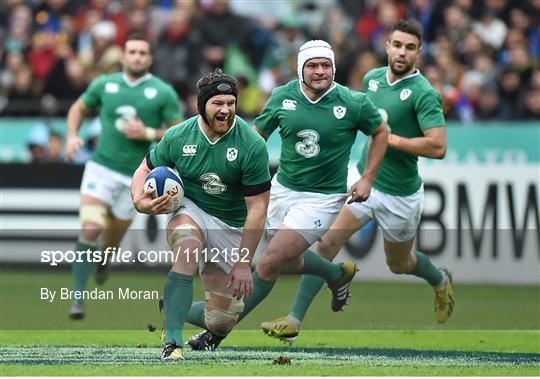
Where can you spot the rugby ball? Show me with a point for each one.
(166, 180)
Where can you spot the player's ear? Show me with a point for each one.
(387, 45)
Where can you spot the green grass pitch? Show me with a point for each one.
(387, 330)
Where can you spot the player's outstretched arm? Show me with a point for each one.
(361, 190)
(75, 115)
(240, 279)
(431, 145)
(143, 201)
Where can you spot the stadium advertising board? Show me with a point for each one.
(481, 216)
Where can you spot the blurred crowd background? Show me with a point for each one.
(483, 56)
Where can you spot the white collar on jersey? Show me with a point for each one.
(138, 81)
(199, 120)
(319, 99)
(416, 72)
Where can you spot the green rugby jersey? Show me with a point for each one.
(149, 98)
(411, 105)
(316, 136)
(214, 173)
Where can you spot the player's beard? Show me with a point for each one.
(219, 127)
(137, 73)
(400, 72)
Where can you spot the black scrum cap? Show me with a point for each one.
(215, 83)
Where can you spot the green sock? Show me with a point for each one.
(425, 270)
(261, 289)
(309, 288)
(195, 315)
(316, 265)
(80, 271)
(178, 295)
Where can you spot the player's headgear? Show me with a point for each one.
(215, 83)
(315, 49)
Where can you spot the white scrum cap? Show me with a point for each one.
(315, 49)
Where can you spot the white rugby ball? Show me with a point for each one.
(166, 180)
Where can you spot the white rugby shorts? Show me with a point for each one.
(222, 245)
(109, 186)
(397, 216)
(308, 213)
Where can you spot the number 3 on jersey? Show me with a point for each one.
(308, 147)
(127, 113)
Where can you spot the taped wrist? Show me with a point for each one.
(150, 134)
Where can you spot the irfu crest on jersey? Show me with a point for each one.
(232, 153)
(150, 93)
(373, 85)
(339, 112)
(404, 94)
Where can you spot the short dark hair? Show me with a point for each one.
(409, 26)
(136, 37)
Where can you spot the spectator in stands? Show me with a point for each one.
(14, 60)
(511, 97)
(491, 29)
(532, 104)
(484, 64)
(55, 39)
(470, 86)
(19, 30)
(84, 40)
(177, 57)
(138, 22)
(104, 56)
(112, 11)
(535, 78)
(422, 11)
(21, 98)
(42, 56)
(520, 61)
(487, 108)
(218, 28)
(65, 82)
(471, 47)
(451, 70)
(54, 149)
(37, 143)
(532, 97)
(279, 64)
(449, 93)
(456, 25)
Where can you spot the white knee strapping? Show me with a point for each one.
(93, 213)
(221, 311)
(184, 232)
